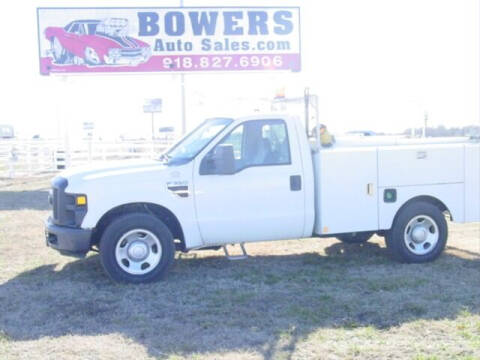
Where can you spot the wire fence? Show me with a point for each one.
(29, 158)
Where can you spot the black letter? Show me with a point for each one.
(206, 45)
(179, 23)
(159, 45)
(147, 23)
(286, 25)
(231, 23)
(257, 20)
(204, 23)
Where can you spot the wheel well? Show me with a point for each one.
(160, 212)
(429, 199)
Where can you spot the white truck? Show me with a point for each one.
(260, 178)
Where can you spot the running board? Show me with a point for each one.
(236, 257)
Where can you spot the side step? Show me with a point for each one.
(236, 257)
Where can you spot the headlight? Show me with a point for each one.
(114, 53)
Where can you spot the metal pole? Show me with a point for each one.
(425, 119)
(184, 118)
(182, 89)
(65, 120)
(153, 128)
(317, 120)
(307, 106)
(89, 149)
(153, 136)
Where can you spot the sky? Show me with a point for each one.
(374, 65)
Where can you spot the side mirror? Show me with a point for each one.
(219, 162)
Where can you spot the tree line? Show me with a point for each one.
(441, 131)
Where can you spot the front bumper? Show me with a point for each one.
(126, 60)
(68, 241)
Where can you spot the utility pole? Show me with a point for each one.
(425, 124)
(307, 108)
(182, 89)
(152, 106)
(153, 127)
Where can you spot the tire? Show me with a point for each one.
(419, 233)
(137, 248)
(60, 54)
(355, 237)
(91, 57)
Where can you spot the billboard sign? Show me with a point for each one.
(93, 40)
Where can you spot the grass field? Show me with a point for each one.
(298, 299)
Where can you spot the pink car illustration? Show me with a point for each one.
(96, 42)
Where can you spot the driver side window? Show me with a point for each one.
(257, 143)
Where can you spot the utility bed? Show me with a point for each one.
(357, 175)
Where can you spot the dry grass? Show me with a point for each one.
(298, 299)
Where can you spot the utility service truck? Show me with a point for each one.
(260, 178)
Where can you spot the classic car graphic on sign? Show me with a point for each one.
(96, 42)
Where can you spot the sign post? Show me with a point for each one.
(153, 106)
(182, 86)
(88, 127)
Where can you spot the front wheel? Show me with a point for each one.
(91, 56)
(60, 54)
(136, 248)
(419, 233)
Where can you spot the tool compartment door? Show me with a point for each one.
(421, 165)
(347, 190)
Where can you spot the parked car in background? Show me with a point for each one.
(362, 133)
(6, 132)
(96, 42)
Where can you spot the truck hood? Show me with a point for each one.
(113, 184)
(112, 169)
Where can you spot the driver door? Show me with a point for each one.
(263, 199)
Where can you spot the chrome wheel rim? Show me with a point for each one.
(421, 235)
(138, 252)
(91, 56)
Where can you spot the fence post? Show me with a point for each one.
(28, 149)
(103, 152)
(90, 151)
(12, 158)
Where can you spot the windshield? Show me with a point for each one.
(193, 143)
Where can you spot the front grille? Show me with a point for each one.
(65, 213)
(59, 201)
(54, 203)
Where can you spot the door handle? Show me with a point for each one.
(370, 189)
(295, 182)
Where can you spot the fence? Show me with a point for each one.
(28, 158)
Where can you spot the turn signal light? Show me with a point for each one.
(81, 200)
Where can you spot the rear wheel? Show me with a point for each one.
(419, 233)
(355, 237)
(137, 248)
